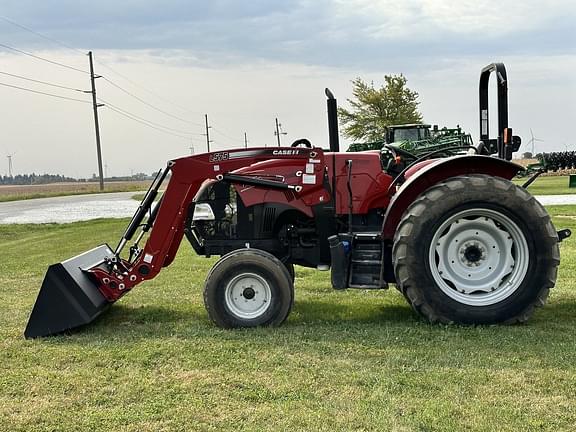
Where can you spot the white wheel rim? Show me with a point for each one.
(479, 257)
(248, 295)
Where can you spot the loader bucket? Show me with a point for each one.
(68, 298)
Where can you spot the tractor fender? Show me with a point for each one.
(431, 172)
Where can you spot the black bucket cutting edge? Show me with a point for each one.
(68, 297)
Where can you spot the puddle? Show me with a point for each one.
(556, 199)
(68, 213)
(68, 209)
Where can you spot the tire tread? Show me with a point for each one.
(405, 265)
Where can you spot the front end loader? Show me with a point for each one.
(454, 234)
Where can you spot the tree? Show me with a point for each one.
(375, 108)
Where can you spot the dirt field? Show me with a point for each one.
(10, 193)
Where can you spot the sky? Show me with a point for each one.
(246, 63)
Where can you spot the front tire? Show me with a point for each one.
(476, 250)
(248, 288)
(291, 271)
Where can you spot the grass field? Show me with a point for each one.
(18, 192)
(352, 360)
(553, 185)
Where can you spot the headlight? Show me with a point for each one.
(203, 211)
(230, 210)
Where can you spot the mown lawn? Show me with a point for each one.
(352, 360)
(553, 185)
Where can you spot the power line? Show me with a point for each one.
(56, 41)
(43, 59)
(147, 124)
(179, 131)
(146, 89)
(40, 34)
(225, 135)
(148, 104)
(43, 93)
(43, 82)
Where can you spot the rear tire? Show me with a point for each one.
(476, 250)
(248, 288)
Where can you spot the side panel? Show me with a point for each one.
(436, 172)
(368, 182)
(310, 175)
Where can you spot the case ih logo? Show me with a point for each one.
(285, 152)
(219, 157)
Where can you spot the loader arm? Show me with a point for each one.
(76, 291)
(116, 276)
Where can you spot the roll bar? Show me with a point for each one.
(505, 144)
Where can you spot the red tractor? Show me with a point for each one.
(460, 241)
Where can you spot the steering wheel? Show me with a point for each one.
(301, 141)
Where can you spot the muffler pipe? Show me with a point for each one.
(332, 105)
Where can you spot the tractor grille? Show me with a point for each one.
(269, 218)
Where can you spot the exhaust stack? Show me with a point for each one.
(332, 121)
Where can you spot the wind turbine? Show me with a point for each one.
(10, 163)
(533, 140)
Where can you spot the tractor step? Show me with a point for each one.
(367, 287)
(366, 262)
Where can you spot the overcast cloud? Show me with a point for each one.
(245, 62)
(340, 33)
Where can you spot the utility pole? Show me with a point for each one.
(207, 133)
(278, 131)
(95, 106)
(245, 140)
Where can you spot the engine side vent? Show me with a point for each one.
(289, 194)
(269, 218)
